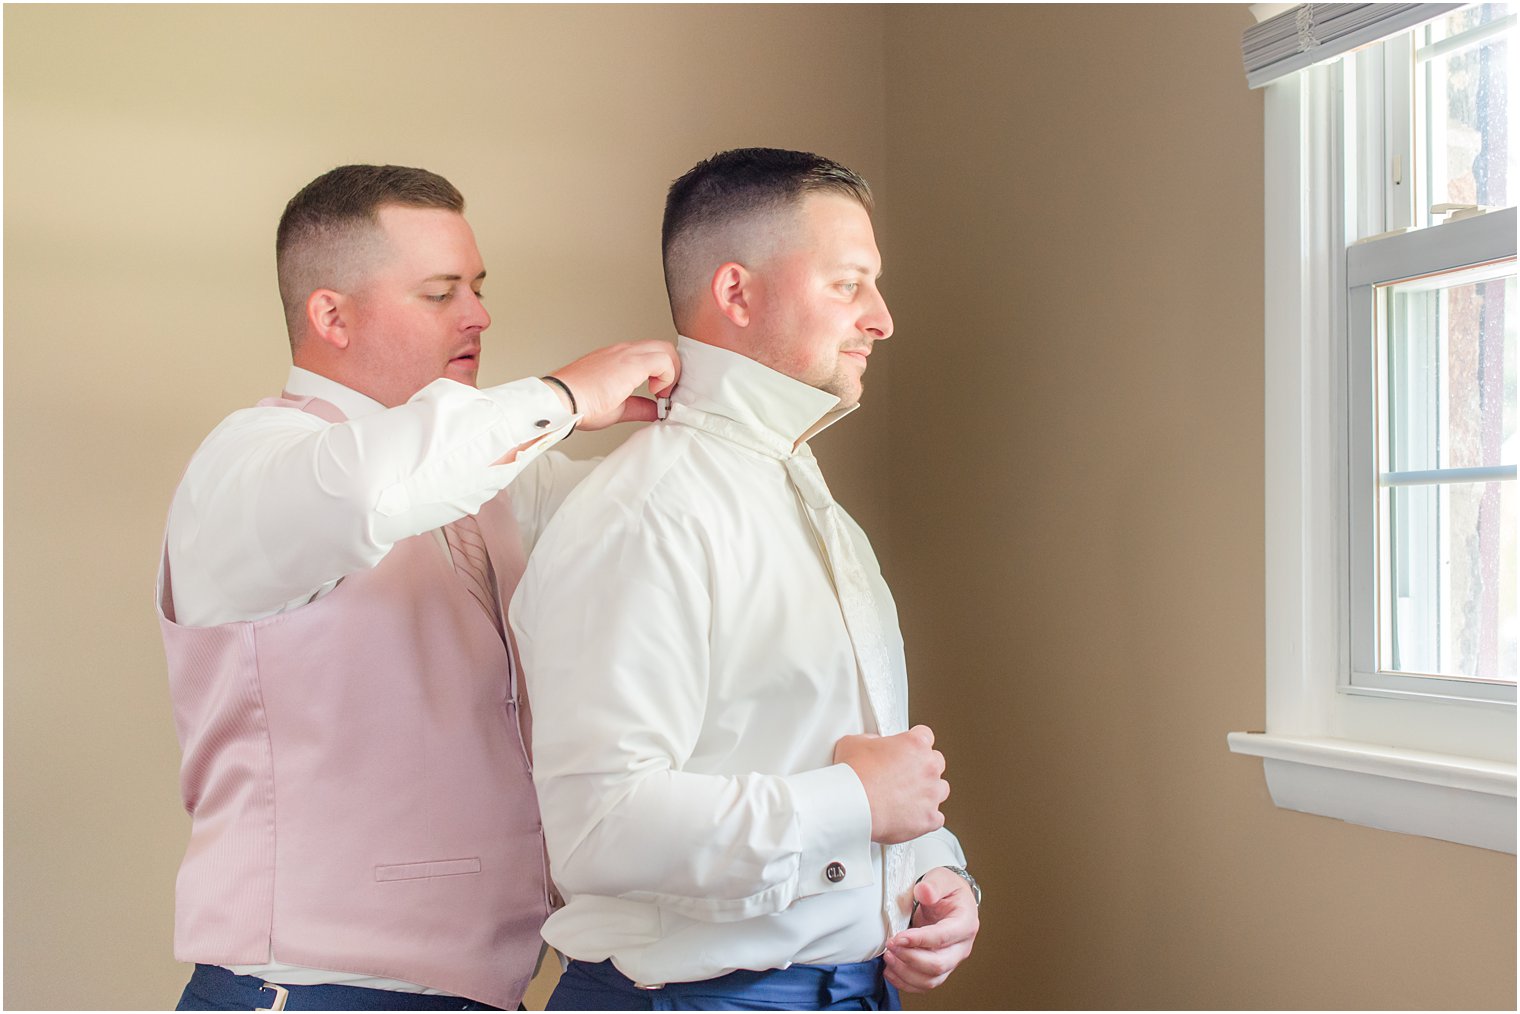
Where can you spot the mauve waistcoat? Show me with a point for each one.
(357, 779)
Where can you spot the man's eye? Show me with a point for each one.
(479, 294)
(439, 298)
(849, 287)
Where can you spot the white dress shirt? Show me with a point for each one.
(277, 505)
(690, 672)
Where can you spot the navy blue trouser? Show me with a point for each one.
(600, 986)
(213, 987)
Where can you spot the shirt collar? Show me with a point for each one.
(736, 387)
(305, 384)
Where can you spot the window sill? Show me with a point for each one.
(1457, 799)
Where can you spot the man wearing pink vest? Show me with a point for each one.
(364, 833)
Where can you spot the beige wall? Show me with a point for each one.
(1065, 490)
(149, 152)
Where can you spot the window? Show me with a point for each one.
(1391, 448)
(1433, 464)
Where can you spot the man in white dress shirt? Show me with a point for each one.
(738, 816)
(364, 833)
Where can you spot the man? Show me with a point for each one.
(364, 833)
(737, 814)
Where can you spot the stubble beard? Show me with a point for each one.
(844, 385)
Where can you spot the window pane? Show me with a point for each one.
(1446, 542)
(1449, 601)
(1449, 362)
(1468, 109)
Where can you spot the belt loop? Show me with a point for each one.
(280, 995)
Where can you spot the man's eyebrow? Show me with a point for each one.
(860, 269)
(451, 278)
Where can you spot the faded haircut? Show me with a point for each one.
(724, 201)
(327, 234)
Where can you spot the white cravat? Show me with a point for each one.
(861, 618)
(856, 603)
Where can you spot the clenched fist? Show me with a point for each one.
(902, 779)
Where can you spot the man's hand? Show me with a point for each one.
(923, 956)
(901, 776)
(604, 381)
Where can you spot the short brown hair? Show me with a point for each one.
(322, 231)
(731, 186)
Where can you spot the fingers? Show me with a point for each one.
(901, 776)
(891, 976)
(659, 364)
(663, 380)
(603, 381)
(921, 958)
(933, 937)
(949, 922)
(917, 971)
(638, 409)
(926, 893)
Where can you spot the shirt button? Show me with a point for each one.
(542, 424)
(835, 872)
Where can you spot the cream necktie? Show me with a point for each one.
(863, 622)
(856, 602)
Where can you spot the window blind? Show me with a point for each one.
(1310, 33)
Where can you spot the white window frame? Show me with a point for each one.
(1428, 766)
(1488, 240)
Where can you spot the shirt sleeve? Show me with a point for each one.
(277, 504)
(937, 848)
(612, 622)
(540, 490)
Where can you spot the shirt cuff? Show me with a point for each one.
(537, 405)
(936, 849)
(836, 831)
(524, 412)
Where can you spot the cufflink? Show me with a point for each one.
(834, 872)
(661, 408)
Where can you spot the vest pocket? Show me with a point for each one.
(421, 871)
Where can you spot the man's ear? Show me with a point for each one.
(326, 312)
(732, 291)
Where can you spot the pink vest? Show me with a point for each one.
(357, 779)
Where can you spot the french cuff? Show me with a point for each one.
(530, 417)
(835, 817)
(536, 413)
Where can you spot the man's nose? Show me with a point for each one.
(476, 315)
(878, 322)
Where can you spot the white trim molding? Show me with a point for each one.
(1457, 799)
